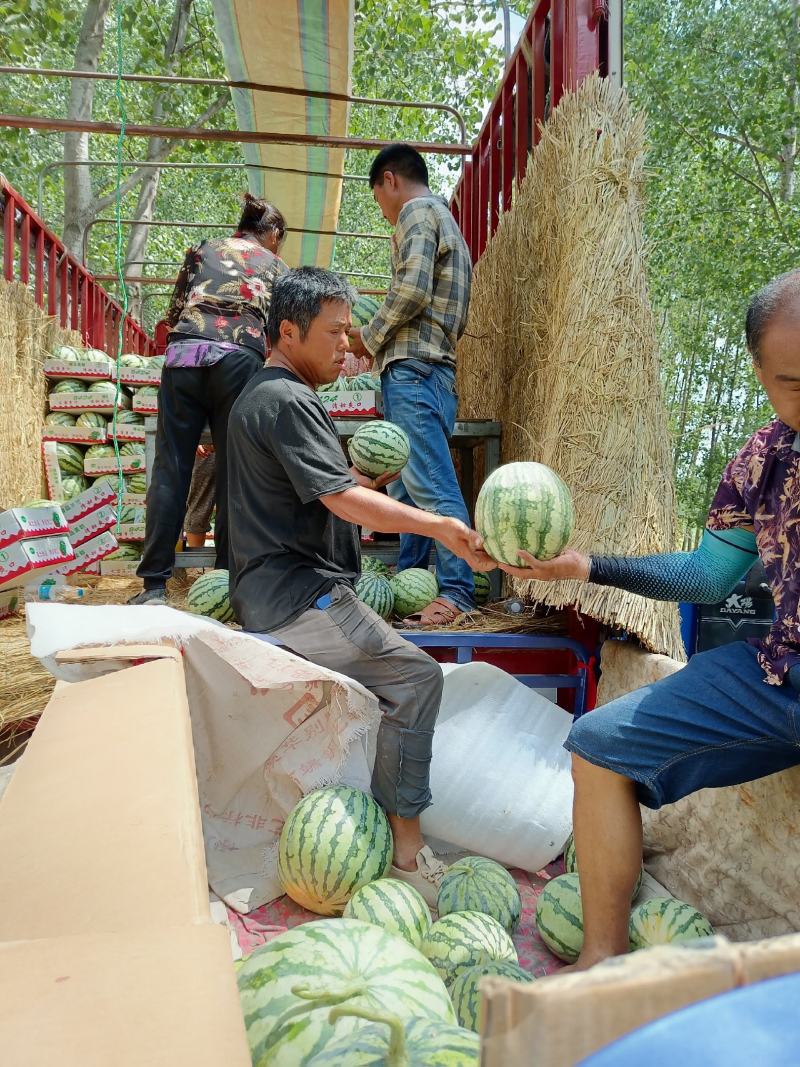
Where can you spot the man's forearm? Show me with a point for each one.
(365, 507)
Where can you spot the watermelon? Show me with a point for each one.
(559, 917)
(125, 550)
(375, 591)
(571, 863)
(104, 387)
(464, 939)
(364, 309)
(132, 448)
(100, 452)
(664, 921)
(154, 362)
(524, 506)
(395, 906)
(210, 596)
(415, 1043)
(128, 514)
(130, 418)
(91, 419)
(413, 590)
(67, 354)
(59, 418)
(483, 589)
(379, 448)
(147, 390)
(96, 355)
(73, 485)
(113, 481)
(137, 483)
(132, 360)
(333, 842)
(70, 458)
(478, 884)
(373, 565)
(466, 994)
(288, 987)
(68, 385)
(360, 381)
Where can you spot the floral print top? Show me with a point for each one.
(222, 292)
(761, 489)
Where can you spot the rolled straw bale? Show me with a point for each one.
(561, 346)
(27, 334)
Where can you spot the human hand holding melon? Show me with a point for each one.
(373, 483)
(569, 564)
(465, 543)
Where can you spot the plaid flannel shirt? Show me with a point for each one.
(425, 310)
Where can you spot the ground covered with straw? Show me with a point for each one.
(561, 347)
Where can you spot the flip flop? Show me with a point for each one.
(440, 612)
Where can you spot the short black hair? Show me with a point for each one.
(400, 159)
(766, 304)
(298, 296)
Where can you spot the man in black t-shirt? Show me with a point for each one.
(295, 555)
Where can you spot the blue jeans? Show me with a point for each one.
(714, 723)
(421, 398)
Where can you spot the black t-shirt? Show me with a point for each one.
(286, 548)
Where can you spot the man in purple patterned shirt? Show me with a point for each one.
(732, 714)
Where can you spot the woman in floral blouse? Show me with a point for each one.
(217, 342)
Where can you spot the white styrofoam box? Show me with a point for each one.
(355, 403)
(39, 554)
(75, 435)
(19, 523)
(94, 466)
(74, 403)
(88, 555)
(96, 496)
(92, 525)
(61, 368)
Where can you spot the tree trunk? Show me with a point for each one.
(788, 153)
(78, 200)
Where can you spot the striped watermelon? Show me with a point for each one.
(125, 550)
(571, 863)
(128, 514)
(68, 385)
(379, 448)
(100, 452)
(130, 418)
(103, 387)
(364, 309)
(132, 448)
(113, 481)
(475, 883)
(664, 921)
(91, 419)
(373, 565)
(73, 485)
(147, 390)
(559, 917)
(395, 906)
(333, 842)
(70, 458)
(483, 589)
(413, 590)
(466, 995)
(360, 381)
(132, 360)
(464, 939)
(524, 506)
(137, 482)
(67, 354)
(96, 355)
(210, 596)
(288, 987)
(59, 418)
(375, 591)
(416, 1043)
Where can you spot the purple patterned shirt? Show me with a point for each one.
(761, 489)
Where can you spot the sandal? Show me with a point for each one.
(440, 612)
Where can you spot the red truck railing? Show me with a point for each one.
(563, 41)
(61, 286)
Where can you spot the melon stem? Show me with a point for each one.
(321, 998)
(397, 1055)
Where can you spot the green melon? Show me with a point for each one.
(68, 385)
(130, 418)
(464, 939)
(91, 420)
(375, 591)
(379, 448)
(333, 842)
(395, 906)
(113, 481)
(73, 485)
(666, 921)
(147, 390)
(413, 590)
(137, 483)
(100, 452)
(104, 387)
(125, 550)
(373, 565)
(288, 987)
(559, 917)
(155, 362)
(67, 354)
(131, 515)
(475, 883)
(571, 863)
(70, 458)
(132, 448)
(132, 360)
(364, 310)
(466, 995)
(483, 589)
(59, 418)
(416, 1043)
(96, 355)
(524, 506)
(210, 596)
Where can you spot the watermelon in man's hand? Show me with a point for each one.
(524, 506)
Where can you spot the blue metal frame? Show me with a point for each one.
(466, 643)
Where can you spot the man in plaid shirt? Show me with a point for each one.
(412, 339)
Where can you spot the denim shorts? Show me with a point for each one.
(714, 723)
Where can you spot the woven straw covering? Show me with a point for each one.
(561, 347)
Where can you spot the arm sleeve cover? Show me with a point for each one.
(705, 576)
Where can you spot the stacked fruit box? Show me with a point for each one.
(95, 431)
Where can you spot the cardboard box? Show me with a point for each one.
(92, 525)
(119, 568)
(130, 531)
(94, 466)
(75, 435)
(75, 403)
(16, 524)
(139, 377)
(134, 500)
(10, 601)
(89, 553)
(96, 496)
(145, 405)
(62, 368)
(52, 471)
(356, 403)
(127, 432)
(36, 556)
(122, 964)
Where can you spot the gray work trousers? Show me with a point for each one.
(350, 638)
